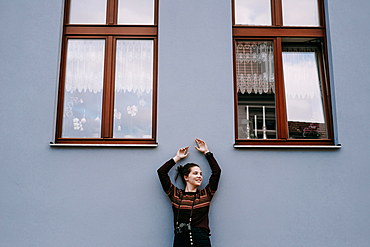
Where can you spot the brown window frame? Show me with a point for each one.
(110, 32)
(276, 32)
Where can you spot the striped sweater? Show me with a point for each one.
(202, 197)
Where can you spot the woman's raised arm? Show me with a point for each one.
(166, 167)
(215, 168)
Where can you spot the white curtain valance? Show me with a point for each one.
(134, 65)
(302, 85)
(85, 65)
(255, 67)
(301, 73)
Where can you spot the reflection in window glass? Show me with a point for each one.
(300, 13)
(305, 109)
(88, 12)
(133, 89)
(256, 90)
(136, 12)
(83, 88)
(253, 12)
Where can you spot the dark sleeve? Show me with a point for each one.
(216, 172)
(163, 175)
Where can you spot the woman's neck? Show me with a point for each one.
(190, 188)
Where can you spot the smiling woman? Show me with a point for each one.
(191, 205)
(193, 179)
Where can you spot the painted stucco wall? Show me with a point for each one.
(112, 196)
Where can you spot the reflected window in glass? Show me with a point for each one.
(136, 12)
(87, 12)
(303, 93)
(253, 12)
(300, 13)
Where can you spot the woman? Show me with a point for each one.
(190, 206)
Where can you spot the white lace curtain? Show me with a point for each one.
(255, 67)
(134, 65)
(85, 65)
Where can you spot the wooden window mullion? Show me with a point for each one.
(233, 12)
(235, 91)
(107, 113)
(277, 13)
(282, 121)
(324, 80)
(110, 12)
(66, 11)
(154, 100)
(61, 90)
(321, 12)
(156, 10)
(114, 11)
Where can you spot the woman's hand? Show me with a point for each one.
(202, 146)
(181, 153)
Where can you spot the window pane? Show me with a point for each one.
(300, 13)
(83, 88)
(256, 90)
(133, 89)
(88, 12)
(303, 92)
(253, 12)
(139, 12)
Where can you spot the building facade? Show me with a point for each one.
(286, 180)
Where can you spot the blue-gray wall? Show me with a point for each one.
(112, 197)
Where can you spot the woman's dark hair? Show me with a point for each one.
(184, 171)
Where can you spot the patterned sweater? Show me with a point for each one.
(202, 197)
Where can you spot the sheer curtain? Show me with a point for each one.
(134, 65)
(85, 65)
(302, 85)
(301, 73)
(83, 88)
(133, 89)
(255, 67)
(84, 81)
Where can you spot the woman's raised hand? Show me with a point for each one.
(181, 153)
(202, 146)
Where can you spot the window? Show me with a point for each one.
(107, 89)
(282, 94)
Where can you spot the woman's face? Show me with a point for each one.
(195, 177)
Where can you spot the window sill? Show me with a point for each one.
(288, 146)
(102, 145)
